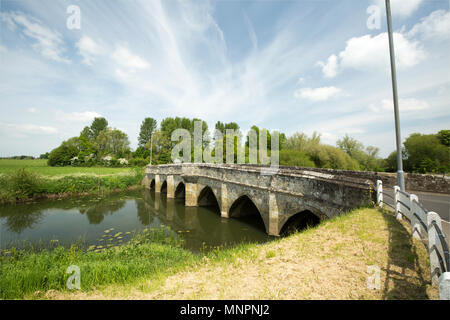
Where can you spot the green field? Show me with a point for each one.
(22, 180)
(40, 166)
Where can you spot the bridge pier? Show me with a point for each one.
(273, 215)
(191, 195)
(157, 183)
(170, 187)
(225, 206)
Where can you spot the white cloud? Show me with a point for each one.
(404, 105)
(26, 129)
(48, 42)
(372, 53)
(88, 49)
(251, 32)
(77, 116)
(436, 26)
(329, 68)
(402, 8)
(317, 94)
(128, 60)
(129, 64)
(3, 49)
(32, 110)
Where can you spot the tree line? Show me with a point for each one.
(99, 144)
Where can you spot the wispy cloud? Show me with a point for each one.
(405, 105)
(436, 26)
(128, 60)
(89, 49)
(317, 94)
(27, 129)
(85, 116)
(402, 8)
(47, 42)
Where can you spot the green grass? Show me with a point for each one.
(29, 274)
(40, 166)
(24, 184)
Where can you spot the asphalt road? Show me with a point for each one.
(437, 202)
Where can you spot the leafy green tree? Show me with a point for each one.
(236, 137)
(390, 163)
(352, 147)
(87, 132)
(44, 155)
(112, 141)
(98, 125)
(87, 149)
(426, 153)
(366, 157)
(160, 148)
(148, 126)
(62, 155)
(444, 137)
(142, 152)
(168, 125)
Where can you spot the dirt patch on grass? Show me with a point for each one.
(327, 262)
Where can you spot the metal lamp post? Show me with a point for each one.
(400, 177)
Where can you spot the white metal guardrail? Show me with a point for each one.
(426, 226)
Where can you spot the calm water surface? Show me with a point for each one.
(68, 220)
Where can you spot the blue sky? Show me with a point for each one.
(286, 65)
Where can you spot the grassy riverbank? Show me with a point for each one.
(25, 184)
(327, 262)
(40, 167)
(33, 274)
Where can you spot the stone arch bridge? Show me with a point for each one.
(239, 190)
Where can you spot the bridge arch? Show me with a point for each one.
(180, 190)
(208, 198)
(245, 207)
(299, 221)
(164, 187)
(152, 185)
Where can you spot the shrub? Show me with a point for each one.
(24, 184)
(295, 158)
(62, 156)
(139, 162)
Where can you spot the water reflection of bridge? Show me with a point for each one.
(201, 224)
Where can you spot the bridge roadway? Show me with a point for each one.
(288, 194)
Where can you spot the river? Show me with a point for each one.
(92, 220)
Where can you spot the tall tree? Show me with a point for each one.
(426, 153)
(444, 137)
(148, 126)
(351, 146)
(112, 141)
(98, 124)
